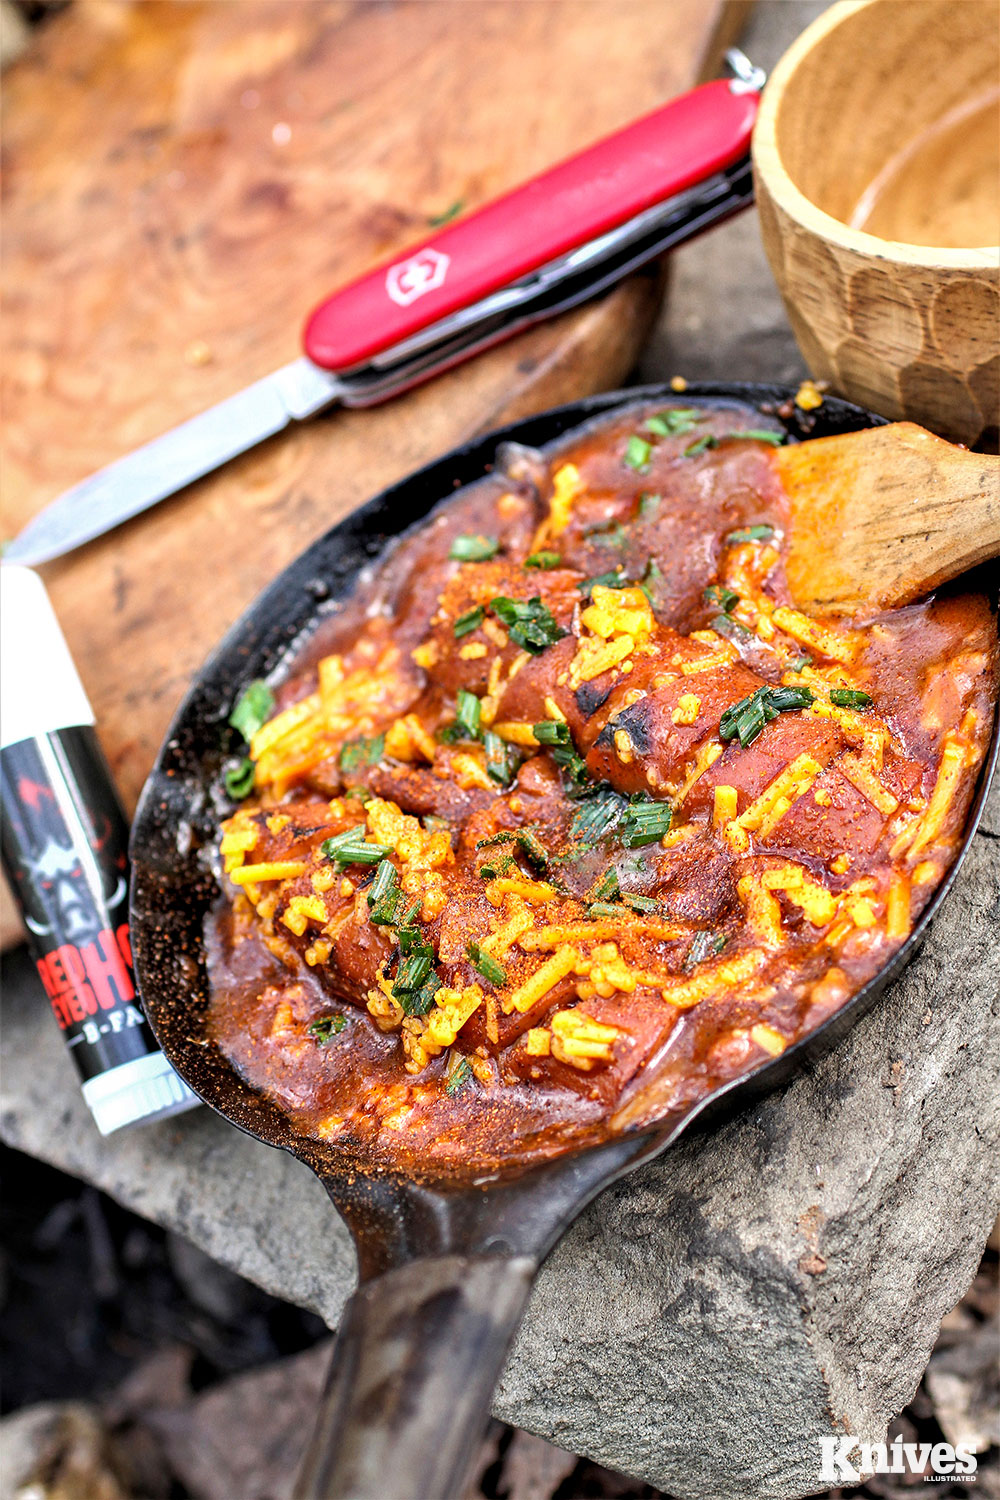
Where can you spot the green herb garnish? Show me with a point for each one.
(413, 971)
(546, 560)
(362, 752)
(529, 622)
(607, 888)
(746, 719)
(603, 909)
(651, 579)
(750, 534)
(474, 548)
(721, 597)
(239, 779)
(467, 714)
(505, 836)
(674, 422)
(253, 708)
(471, 620)
(552, 732)
(458, 1076)
(704, 945)
(850, 698)
(532, 848)
(750, 434)
(613, 580)
(419, 1002)
(485, 965)
(327, 1027)
(383, 895)
(640, 903)
(350, 848)
(597, 815)
(733, 630)
(555, 736)
(501, 759)
(645, 822)
(637, 454)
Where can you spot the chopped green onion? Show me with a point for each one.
(598, 814)
(703, 443)
(756, 435)
(640, 903)
(458, 1076)
(850, 698)
(412, 940)
(750, 534)
(501, 759)
(362, 752)
(350, 848)
(607, 888)
(497, 866)
(651, 579)
(467, 713)
(798, 662)
(485, 965)
(555, 735)
(674, 422)
(362, 794)
(546, 560)
(746, 719)
(552, 732)
(637, 454)
(471, 620)
(253, 708)
(733, 630)
(533, 849)
(603, 909)
(418, 1002)
(474, 548)
(649, 504)
(239, 779)
(530, 622)
(614, 580)
(326, 1028)
(704, 945)
(412, 973)
(435, 824)
(383, 895)
(645, 822)
(505, 836)
(721, 597)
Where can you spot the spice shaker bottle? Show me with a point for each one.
(64, 847)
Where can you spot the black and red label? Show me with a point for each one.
(65, 843)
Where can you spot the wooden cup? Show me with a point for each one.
(877, 175)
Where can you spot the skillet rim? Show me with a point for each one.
(258, 644)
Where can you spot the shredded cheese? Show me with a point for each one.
(562, 962)
(277, 869)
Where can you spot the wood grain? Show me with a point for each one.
(883, 516)
(882, 117)
(184, 181)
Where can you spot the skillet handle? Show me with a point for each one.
(419, 1352)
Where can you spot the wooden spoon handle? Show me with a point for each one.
(883, 516)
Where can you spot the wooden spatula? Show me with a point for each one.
(882, 516)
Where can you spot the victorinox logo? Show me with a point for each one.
(421, 273)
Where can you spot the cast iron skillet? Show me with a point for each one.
(445, 1271)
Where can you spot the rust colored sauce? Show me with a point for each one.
(525, 957)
